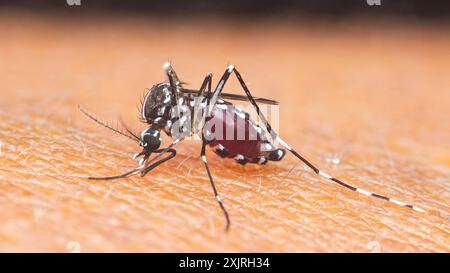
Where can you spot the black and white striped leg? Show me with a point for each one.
(216, 194)
(241, 159)
(221, 151)
(348, 186)
(173, 78)
(198, 100)
(175, 83)
(215, 96)
(275, 136)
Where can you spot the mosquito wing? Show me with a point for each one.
(230, 96)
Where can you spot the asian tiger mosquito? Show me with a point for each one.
(164, 105)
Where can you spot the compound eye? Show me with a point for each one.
(151, 139)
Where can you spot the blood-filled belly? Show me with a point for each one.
(232, 129)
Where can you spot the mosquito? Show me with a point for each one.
(172, 108)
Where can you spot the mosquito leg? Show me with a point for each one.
(275, 136)
(206, 84)
(147, 164)
(216, 194)
(173, 77)
(203, 153)
(156, 164)
(115, 176)
(149, 168)
(174, 84)
(161, 152)
(215, 96)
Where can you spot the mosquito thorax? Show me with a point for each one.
(150, 139)
(157, 105)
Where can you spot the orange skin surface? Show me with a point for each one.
(375, 97)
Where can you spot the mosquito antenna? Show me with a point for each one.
(127, 129)
(87, 114)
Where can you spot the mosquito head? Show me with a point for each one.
(157, 105)
(150, 140)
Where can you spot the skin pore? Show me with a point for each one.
(353, 100)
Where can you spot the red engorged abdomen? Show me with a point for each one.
(234, 132)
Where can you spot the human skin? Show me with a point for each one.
(374, 97)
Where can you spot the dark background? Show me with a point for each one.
(416, 9)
